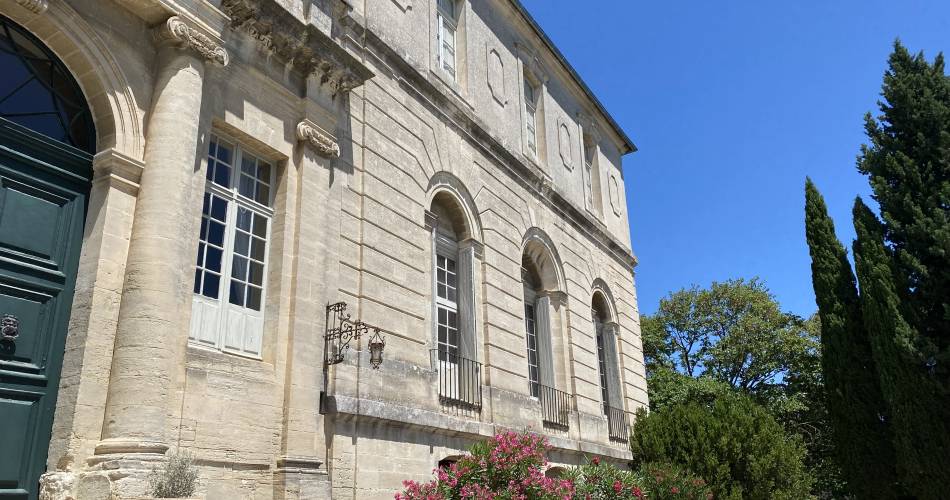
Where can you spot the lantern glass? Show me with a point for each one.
(376, 344)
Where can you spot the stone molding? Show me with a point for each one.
(121, 171)
(323, 143)
(34, 6)
(176, 31)
(303, 46)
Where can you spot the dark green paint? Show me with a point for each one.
(43, 189)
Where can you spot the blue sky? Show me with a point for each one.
(732, 104)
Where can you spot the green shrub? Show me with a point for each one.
(734, 444)
(177, 479)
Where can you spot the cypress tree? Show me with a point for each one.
(908, 165)
(864, 446)
(916, 409)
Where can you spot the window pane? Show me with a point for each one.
(246, 186)
(263, 194)
(216, 233)
(256, 275)
(237, 293)
(241, 243)
(257, 249)
(213, 259)
(201, 254)
(219, 209)
(260, 226)
(254, 298)
(244, 219)
(211, 284)
(442, 316)
(197, 280)
(222, 175)
(239, 268)
(249, 165)
(224, 152)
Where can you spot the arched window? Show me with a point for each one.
(453, 307)
(536, 324)
(38, 92)
(607, 359)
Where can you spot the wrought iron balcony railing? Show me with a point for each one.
(555, 406)
(618, 426)
(459, 379)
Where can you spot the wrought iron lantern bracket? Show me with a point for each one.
(341, 329)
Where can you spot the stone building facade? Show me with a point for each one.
(215, 173)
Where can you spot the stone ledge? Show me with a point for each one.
(349, 407)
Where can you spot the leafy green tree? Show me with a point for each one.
(855, 404)
(734, 444)
(920, 421)
(733, 332)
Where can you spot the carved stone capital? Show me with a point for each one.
(176, 31)
(34, 6)
(322, 143)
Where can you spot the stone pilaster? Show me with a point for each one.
(149, 335)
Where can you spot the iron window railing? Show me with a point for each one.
(618, 426)
(459, 379)
(555, 406)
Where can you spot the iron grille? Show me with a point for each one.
(459, 379)
(555, 406)
(617, 424)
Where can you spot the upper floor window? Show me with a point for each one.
(531, 116)
(447, 19)
(592, 199)
(232, 250)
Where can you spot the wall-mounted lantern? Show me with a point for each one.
(340, 330)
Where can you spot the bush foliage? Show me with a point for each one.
(734, 444)
(177, 479)
(512, 466)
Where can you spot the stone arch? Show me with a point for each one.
(538, 247)
(602, 301)
(450, 193)
(112, 104)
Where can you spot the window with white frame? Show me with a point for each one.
(531, 116)
(601, 359)
(236, 215)
(447, 19)
(446, 283)
(531, 334)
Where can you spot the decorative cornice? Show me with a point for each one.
(303, 46)
(176, 31)
(34, 6)
(322, 142)
(119, 170)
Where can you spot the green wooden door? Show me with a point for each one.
(43, 189)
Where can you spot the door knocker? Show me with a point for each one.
(9, 327)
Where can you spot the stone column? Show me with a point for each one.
(301, 467)
(149, 325)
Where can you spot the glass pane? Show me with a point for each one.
(219, 209)
(236, 296)
(442, 316)
(453, 319)
(215, 234)
(263, 194)
(239, 268)
(263, 172)
(451, 266)
(257, 249)
(213, 259)
(256, 275)
(222, 175)
(260, 226)
(249, 165)
(452, 295)
(224, 152)
(201, 254)
(203, 233)
(197, 280)
(441, 291)
(443, 334)
(211, 284)
(246, 186)
(244, 219)
(254, 298)
(241, 243)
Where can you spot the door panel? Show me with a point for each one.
(43, 189)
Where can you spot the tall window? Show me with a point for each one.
(447, 302)
(447, 18)
(591, 177)
(531, 333)
(531, 116)
(232, 250)
(601, 359)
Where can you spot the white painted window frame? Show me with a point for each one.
(217, 314)
(446, 28)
